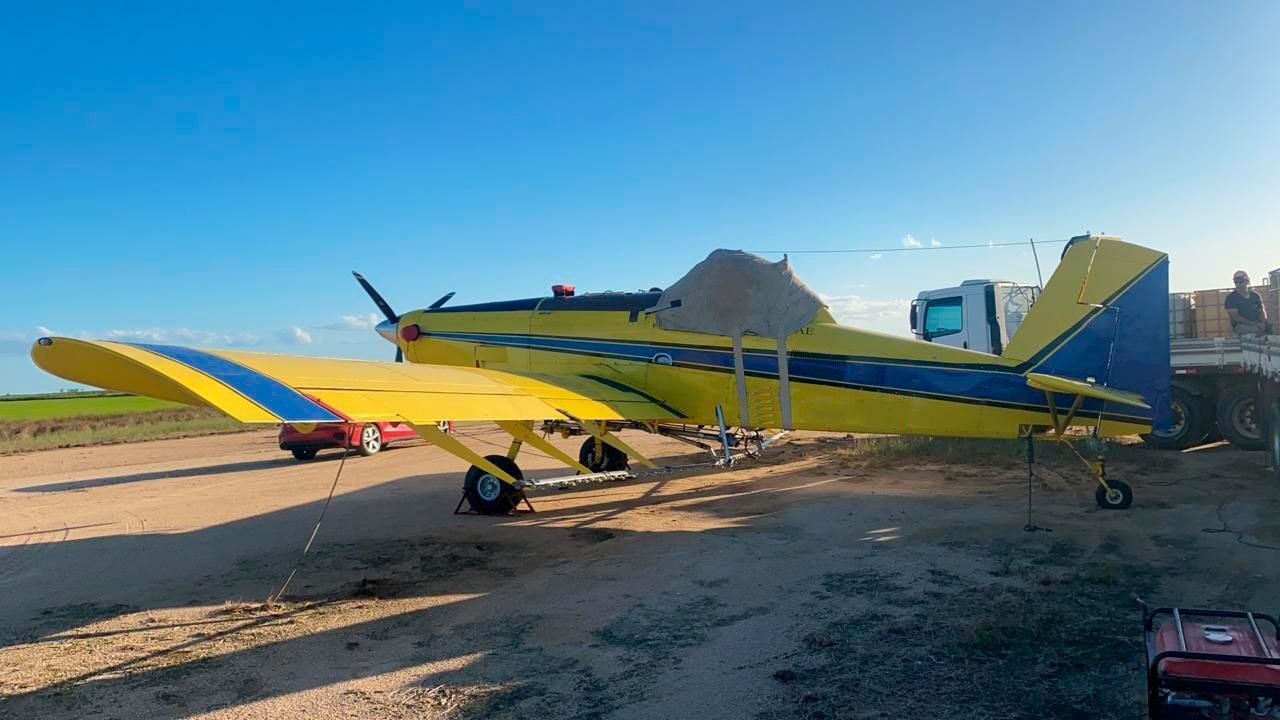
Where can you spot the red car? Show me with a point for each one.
(305, 440)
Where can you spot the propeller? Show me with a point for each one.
(393, 319)
(440, 303)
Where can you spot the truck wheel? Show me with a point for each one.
(1187, 426)
(489, 494)
(1273, 437)
(1238, 418)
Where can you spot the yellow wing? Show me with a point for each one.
(265, 388)
(1053, 383)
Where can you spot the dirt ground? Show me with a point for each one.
(822, 582)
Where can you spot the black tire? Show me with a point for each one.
(370, 441)
(1273, 437)
(1238, 419)
(1120, 498)
(489, 495)
(614, 459)
(304, 454)
(1188, 424)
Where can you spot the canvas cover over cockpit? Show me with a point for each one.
(735, 293)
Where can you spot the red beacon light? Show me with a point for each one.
(562, 290)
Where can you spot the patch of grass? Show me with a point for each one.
(67, 405)
(81, 430)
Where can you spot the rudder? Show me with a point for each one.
(1103, 317)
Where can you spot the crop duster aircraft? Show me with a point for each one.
(737, 346)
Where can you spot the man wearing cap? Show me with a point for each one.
(1248, 316)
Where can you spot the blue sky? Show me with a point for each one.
(211, 174)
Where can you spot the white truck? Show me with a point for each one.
(1261, 357)
(1212, 396)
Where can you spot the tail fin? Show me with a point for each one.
(1103, 316)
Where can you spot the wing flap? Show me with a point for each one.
(1053, 383)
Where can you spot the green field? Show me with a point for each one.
(39, 422)
(66, 405)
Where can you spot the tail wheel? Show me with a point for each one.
(370, 440)
(1187, 424)
(1273, 437)
(1119, 497)
(489, 494)
(610, 459)
(1238, 418)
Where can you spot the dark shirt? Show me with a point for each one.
(1250, 308)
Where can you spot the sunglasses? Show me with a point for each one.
(1240, 281)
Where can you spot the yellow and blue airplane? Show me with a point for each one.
(1092, 353)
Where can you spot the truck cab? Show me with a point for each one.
(977, 315)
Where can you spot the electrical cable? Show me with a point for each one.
(901, 249)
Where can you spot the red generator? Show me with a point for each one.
(1211, 664)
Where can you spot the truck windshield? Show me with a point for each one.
(943, 317)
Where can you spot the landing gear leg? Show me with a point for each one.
(1111, 494)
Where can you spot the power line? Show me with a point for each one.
(904, 249)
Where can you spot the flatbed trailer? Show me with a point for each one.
(1260, 357)
(1212, 395)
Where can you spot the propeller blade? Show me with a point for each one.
(440, 303)
(392, 317)
(399, 355)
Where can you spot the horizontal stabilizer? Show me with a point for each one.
(1053, 383)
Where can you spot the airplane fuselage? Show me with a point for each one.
(840, 378)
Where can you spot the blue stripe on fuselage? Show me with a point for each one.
(272, 395)
(999, 388)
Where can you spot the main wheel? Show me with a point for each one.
(304, 454)
(1118, 498)
(611, 459)
(1273, 437)
(487, 493)
(1238, 417)
(1187, 425)
(370, 440)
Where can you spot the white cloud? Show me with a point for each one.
(353, 323)
(186, 336)
(934, 243)
(294, 336)
(876, 256)
(891, 316)
(14, 343)
(910, 242)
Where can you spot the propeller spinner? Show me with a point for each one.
(387, 328)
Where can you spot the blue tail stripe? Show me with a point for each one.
(963, 383)
(272, 395)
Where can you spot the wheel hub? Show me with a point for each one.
(1114, 496)
(489, 488)
(1243, 419)
(1177, 424)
